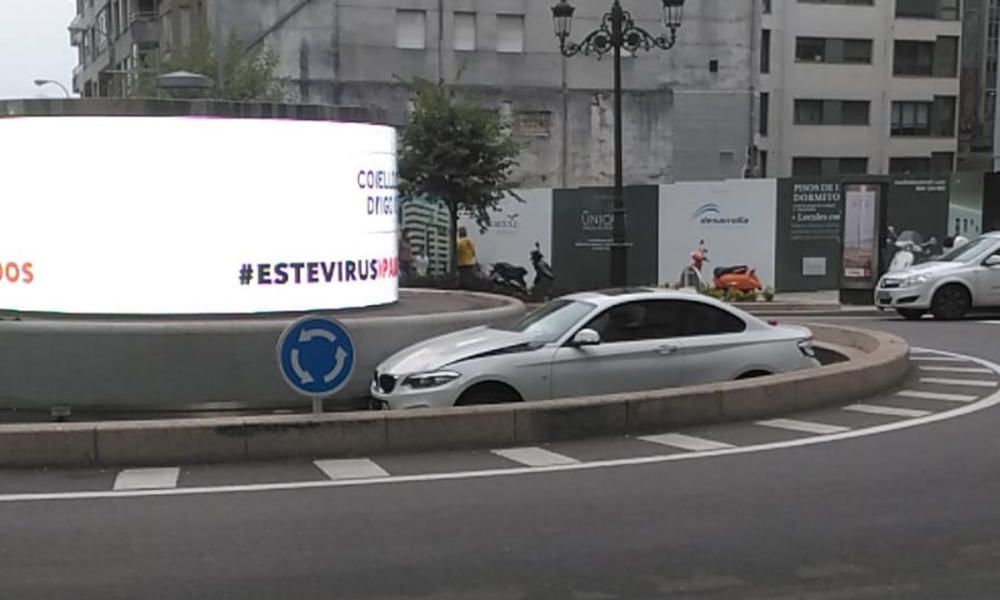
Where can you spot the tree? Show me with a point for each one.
(456, 151)
(247, 75)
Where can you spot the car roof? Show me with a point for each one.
(992, 234)
(619, 295)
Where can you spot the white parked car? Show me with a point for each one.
(963, 279)
(591, 344)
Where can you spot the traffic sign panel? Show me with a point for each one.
(316, 356)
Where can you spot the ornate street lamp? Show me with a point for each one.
(617, 32)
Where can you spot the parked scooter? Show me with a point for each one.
(544, 277)
(911, 249)
(510, 278)
(737, 277)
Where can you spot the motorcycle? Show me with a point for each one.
(509, 277)
(544, 277)
(910, 249)
(738, 277)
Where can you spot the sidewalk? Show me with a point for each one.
(821, 303)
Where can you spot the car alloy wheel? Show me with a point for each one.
(950, 303)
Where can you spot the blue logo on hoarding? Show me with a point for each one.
(711, 214)
(316, 356)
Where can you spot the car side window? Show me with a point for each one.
(636, 321)
(698, 318)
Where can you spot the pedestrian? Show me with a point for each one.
(405, 257)
(466, 254)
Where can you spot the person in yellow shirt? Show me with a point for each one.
(465, 252)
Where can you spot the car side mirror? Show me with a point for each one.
(586, 337)
(991, 261)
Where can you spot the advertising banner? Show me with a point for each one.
(209, 216)
(734, 218)
(965, 205)
(861, 217)
(515, 228)
(808, 241)
(582, 233)
(917, 211)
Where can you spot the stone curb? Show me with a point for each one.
(877, 361)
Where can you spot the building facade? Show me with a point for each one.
(859, 86)
(118, 40)
(689, 112)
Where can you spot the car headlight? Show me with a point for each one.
(806, 348)
(423, 381)
(915, 280)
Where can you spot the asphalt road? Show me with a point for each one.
(905, 514)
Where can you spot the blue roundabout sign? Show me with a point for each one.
(316, 356)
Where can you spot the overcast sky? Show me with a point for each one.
(34, 44)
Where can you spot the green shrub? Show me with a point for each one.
(768, 294)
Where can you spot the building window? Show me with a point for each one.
(808, 112)
(911, 118)
(831, 112)
(767, 7)
(411, 29)
(942, 162)
(935, 118)
(510, 33)
(928, 9)
(854, 2)
(762, 162)
(943, 116)
(814, 166)
(765, 107)
(833, 50)
(909, 164)
(927, 59)
(765, 51)
(853, 166)
(807, 166)
(465, 31)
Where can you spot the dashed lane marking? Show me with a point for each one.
(936, 396)
(959, 382)
(969, 407)
(956, 370)
(535, 457)
(889, 411)
(147, 479)
(804, 426)
(933, 358)
(685, 442)
(352, 468)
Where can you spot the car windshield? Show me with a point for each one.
(968, 251)
(552, 321)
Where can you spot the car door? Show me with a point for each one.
(636, 353)
(988, 281)
(713, 342)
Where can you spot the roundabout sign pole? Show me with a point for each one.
(316, 357)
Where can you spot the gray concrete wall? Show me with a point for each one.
(344, 51)
(170, 364)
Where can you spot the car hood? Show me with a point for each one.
(439, 352)
(928, 268)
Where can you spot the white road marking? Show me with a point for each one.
(685, 442)
(967, 409)
(989, 322)
(935, 396)
(805, 426)
(350, 468)
(959, 382)
(147, 479)
(956, 370)
(932, 358)
(889, 411)
(535, 457)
